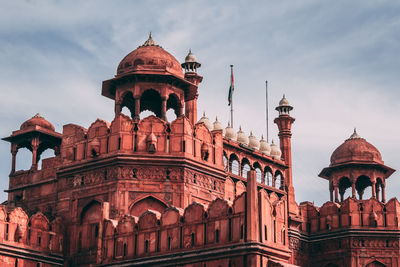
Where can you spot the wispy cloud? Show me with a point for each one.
(337, 63)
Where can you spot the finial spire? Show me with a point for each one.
(355, 134)
(150, 41)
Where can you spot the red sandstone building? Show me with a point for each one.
(152, 192)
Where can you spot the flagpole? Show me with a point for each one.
(232, 98)
(266, 107)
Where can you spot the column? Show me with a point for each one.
(136, 116)
(180, 110)
(373, 189)
(377, 191)
(336, 193)
(263, 177)
(383, 193)
(117, 109)
(35, 146)
(353, 190)
(331, 193)
(14, 151)
(164, 108)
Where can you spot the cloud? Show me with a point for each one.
(336, 62)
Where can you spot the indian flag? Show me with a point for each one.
(231, 88)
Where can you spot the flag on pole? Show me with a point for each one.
(231, 88)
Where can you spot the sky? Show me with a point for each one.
(337, 62)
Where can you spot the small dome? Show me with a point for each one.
(253, 141)
(190, 57)
(284, 101)
(242, 137)
(37, 120)
(217, 125)
(150, 57)
(265, 147)
(206, 122)
(356, 149)
(276, 152)
(230, 132)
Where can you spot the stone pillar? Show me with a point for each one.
(374, 189)
(136, 116)
(377, 189)
(164, 108)
(331, 193)
(383, 193)
(353, 190)
(336, 193)
(252, 207)
(35, 146)
(14, 151)
(180, 110)
(117, 109)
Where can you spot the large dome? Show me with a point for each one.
(37, 120)
(150, 57)
(356, 149)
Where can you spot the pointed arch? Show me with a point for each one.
(173, 103)
(375, 263)
(151, 100)
(149, 202)
(128, 101)
(268, 177)
(279, 181)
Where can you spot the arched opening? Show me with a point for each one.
(378, 188)
(23, 159)
(279, 182)
(361, 184)
(375, 263)
(234, 164)
(259, 173)
(47, 153)
(268, 176)
(90, 219)
(128, 104)
(150, 101)
(344, 184)
(245, 167)
(225, 159)
(173, 107)
(148, 203)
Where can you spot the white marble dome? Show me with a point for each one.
(230, 132)
(206, 122)
(253, 141)
(264, 146)
(242, 137)
(218, 126)
(275, 151)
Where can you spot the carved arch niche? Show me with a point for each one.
(147, 203)
(90, 219)
(375, 263)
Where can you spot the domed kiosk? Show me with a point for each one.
(356, 164)
(150, 78)
(36, 134)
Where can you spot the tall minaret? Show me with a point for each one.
(190, 66)
(284, 122)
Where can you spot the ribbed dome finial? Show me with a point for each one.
(355, 134)
(150, 41)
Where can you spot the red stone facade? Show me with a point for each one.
(149, 192)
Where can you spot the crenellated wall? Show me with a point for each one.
(348, 233)
(222, 227)
(36, 239)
